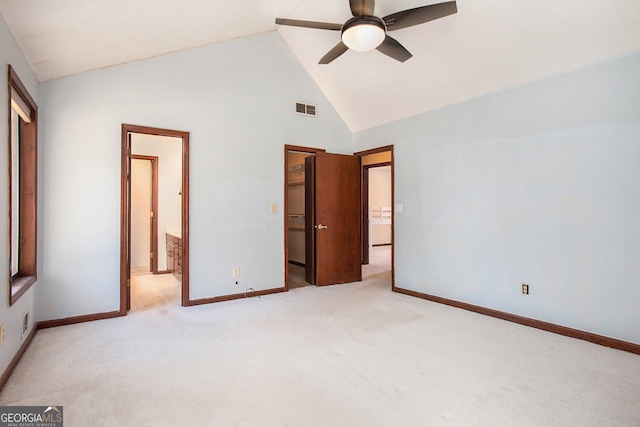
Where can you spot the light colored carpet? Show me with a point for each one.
(153, 292)
(345, 355)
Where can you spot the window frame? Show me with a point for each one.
(28, 191)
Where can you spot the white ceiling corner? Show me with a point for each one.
(487, 46)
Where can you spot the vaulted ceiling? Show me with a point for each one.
(487, 46)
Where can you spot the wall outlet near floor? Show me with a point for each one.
(236, 272)
(525, 289)
(3, 328)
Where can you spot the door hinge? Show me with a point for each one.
(151, 214)
(151, 254)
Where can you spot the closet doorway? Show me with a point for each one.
(294, 206)
(374, 244)
(154, 212)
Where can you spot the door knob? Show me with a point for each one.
(321, 227)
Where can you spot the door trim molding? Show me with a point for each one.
(287, 149)
(383, 149)
(125, 238)
(365, 209)
(153, 243)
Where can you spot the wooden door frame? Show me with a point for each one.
(287, 149)
(125, 213)
(365, 204)
(153, 230)
(365, 208)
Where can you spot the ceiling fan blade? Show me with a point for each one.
(338, 50)
(309, 24)
(419, 15)
(391, 47)
(362, 7)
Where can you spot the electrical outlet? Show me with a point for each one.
(236, 272)
(3, 328)
(525, 289)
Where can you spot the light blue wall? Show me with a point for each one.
(12, 316)
(538, 184)
(237, 101)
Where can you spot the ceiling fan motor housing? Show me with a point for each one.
(363, 33)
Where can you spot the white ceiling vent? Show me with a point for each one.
(306, 109)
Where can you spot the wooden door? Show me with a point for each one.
(144, 181)
(332, 215)
(128, 222)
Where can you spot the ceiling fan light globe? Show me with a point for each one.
(363, 37)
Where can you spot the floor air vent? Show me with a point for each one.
(306, 109)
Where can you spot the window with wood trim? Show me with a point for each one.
(23, 177)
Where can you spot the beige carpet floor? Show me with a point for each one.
(346, 355)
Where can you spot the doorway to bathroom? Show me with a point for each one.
(154, 250)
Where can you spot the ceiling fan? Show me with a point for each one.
(365, 31)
